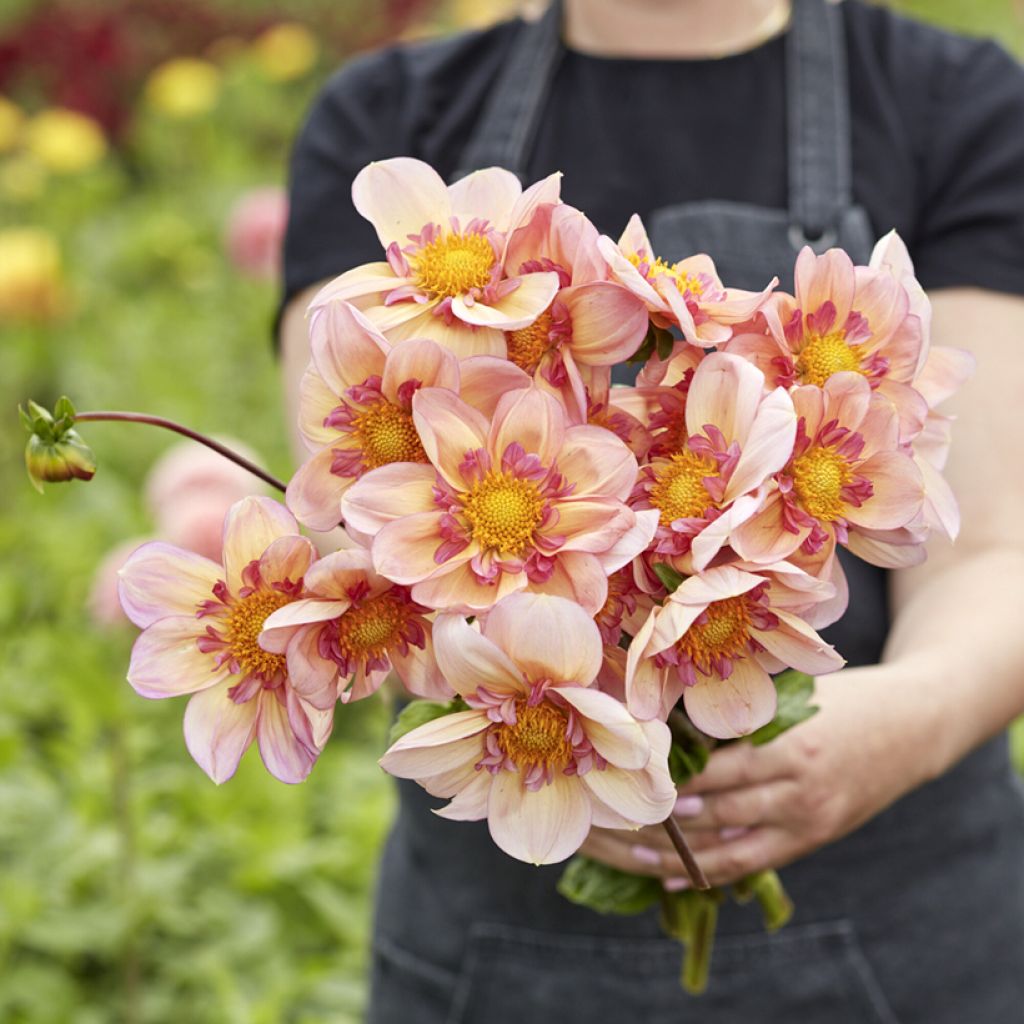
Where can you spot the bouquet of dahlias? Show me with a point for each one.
(583, 588)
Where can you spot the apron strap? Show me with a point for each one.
(505, 132)
(819, 122)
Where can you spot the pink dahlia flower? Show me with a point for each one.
(200, 635)
(349, 629)
(520, 501)
(703, 489)
(355, 404)
(688, 294)
(849, 481)
(445, 276)
(541, 754)
(715, 641)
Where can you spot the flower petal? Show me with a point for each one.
(403, 550)
(517, 309)
(489, 194)
(159, 579)
(640, 797)
(608, 322)
(286, 757)
(898, 492)
(725, 392)
(767, 447)
(314, 493)
(449, 429)
(250, 527)
(531, 418)
(598, 463)
(218, 731)
(166, 660)
(615, 733)
(345, 346)
(439, 746)
(486, 378)
(419, 359)
(469, 660)
(728, 708)
(797, 646)
(399, 197)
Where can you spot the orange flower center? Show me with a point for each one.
(539, 737)
(385, 434)
(725, 634)
(678, 491)
(527, 345)
(368, 630)
(454, 264)
(825, 354)
(503, 511)
(819, 476)
(243, 630)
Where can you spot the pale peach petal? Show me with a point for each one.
(403, 550)
(710, 541)
(519, 308)
(591, 524)
(727, 708)
(462, 339)
(543, 826)
(597, 462)
(541, 193)
(285, 757)
(626, 274)
(759, 349)
(809, 403)
(638, 797)
(608, 322)
(578, 576)
(453, 781)
(399, 197)
(484, 379)
(531, 418)
(644, 681)
(470, 803)
(166, 660)
(898, 492)
(738, 306)
(457, 588)
(940, 506)
(250, 527)
(445, 744)
(767, 447)
(725, 393)
(614, 732)
(489, 194)
(419, 671)
(369, 279)
(825, 278)
(159, 579)
(797, 646)
(218, 731)
(470, 660)
(884, 303)
(316, 402)
(632, 542)
(885, 553)
(345, 346)
(334, 575)
(287, 559)
(280, 626)
(419, 360)
(314, 493)
(313, 677)
(945, 370)
(388, 493)
(533, 630)
(910, 406)
(449, 429)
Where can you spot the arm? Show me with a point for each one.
(952, 673)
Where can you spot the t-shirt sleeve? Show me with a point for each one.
(356, 118)
(971, 201)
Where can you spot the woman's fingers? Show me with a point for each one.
(738, 766)
(645, 852)
(755, 850)
(743, 808)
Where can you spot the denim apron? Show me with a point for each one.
(916, 917)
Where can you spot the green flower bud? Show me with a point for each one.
(55, 450)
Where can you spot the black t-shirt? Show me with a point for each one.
(937, 140)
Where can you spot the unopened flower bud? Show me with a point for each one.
(55, 450)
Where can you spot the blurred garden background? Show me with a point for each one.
(143, 147)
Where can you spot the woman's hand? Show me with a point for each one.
(763, 807)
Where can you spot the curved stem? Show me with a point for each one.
(675, 833)
(178, 428)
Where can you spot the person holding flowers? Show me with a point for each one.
(766, 135)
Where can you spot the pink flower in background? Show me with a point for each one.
(848, 481)
(737, 437)
(355, 406)
(255, 232)
(541, 754)
(521, 501)
(688, 294)
(200, 635)
(714, 642)
(445, 277)
(349, 629)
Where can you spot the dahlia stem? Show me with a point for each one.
(675, 833)
(697, 958)
(178, 428)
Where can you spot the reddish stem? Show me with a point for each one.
(675, 833)
(159, 421)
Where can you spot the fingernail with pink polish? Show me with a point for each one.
(675, 884)
(732, 833)
(645, 855)
(689, 806)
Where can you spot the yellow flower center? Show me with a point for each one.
(527, 345)
(819, 476)
(659, 268)
(369, 629)
(824, 355)
(243, 630)
(387, 434)
(454, 264)
(678, 491)
(503, 511)
(724, 635)
(539, 737)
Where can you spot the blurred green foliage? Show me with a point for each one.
(131, 888)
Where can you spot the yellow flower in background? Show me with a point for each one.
(22, 177)
(286, 51)
(183, 88)
(65, 141)
(477, 13)
(31, 282)
(11, 122)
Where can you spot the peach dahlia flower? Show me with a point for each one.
(540, 753)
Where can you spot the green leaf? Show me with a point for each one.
(669, 577)
(795, 691)
(419, 712)
(685, 762)
(64, 408)
(606, 889)
(664, 342)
